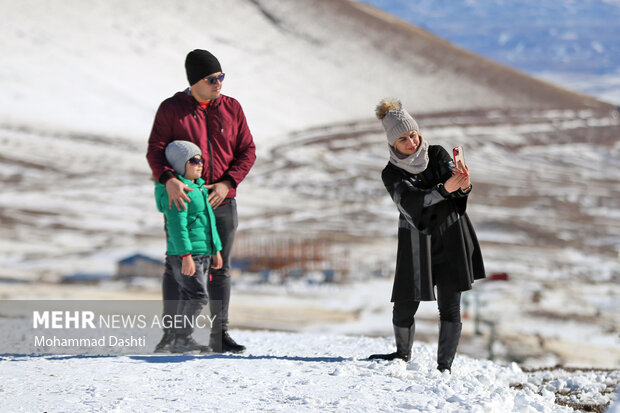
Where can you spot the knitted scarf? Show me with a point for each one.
(414, 163)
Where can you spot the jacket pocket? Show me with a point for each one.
(192, 222)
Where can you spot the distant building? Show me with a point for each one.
(85, 278)
(139, 265)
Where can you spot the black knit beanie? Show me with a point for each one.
(200, 64)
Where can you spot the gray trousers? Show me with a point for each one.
(218, 281)
(192, 290)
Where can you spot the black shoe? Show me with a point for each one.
(187, 344)
(164, 344)
(388, 356)
(231, 345)
(226, 344)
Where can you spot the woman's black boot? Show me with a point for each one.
(449, 335)
(404, 342)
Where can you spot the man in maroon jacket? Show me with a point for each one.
(215, 123)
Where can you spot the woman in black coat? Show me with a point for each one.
(437, 245)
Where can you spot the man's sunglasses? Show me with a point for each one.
(196, 161)
(212, 80)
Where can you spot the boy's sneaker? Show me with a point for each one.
(187, 344)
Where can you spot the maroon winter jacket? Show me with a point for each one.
(220, 131)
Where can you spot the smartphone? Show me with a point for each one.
(458, 155)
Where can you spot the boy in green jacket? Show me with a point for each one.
(193, 245)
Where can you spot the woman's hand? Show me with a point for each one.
(188, 267)
(464, 170)
(455, 182)
(459, 179)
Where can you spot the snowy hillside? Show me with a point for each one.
(291, 373)
(572, 44)
(81, 85)
(102, 68)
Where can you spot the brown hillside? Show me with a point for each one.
(429, 55)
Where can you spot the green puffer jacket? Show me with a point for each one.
(193, 230)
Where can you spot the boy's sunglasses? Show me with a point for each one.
(196, 161)
(212, 80)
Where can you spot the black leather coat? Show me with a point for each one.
(433, 229)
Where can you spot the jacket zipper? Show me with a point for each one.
(209, 146)
(197, 216)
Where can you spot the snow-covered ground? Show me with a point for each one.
(289, 372)
(324, 367)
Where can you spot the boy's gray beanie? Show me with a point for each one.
(396, 122)
(179, 152)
